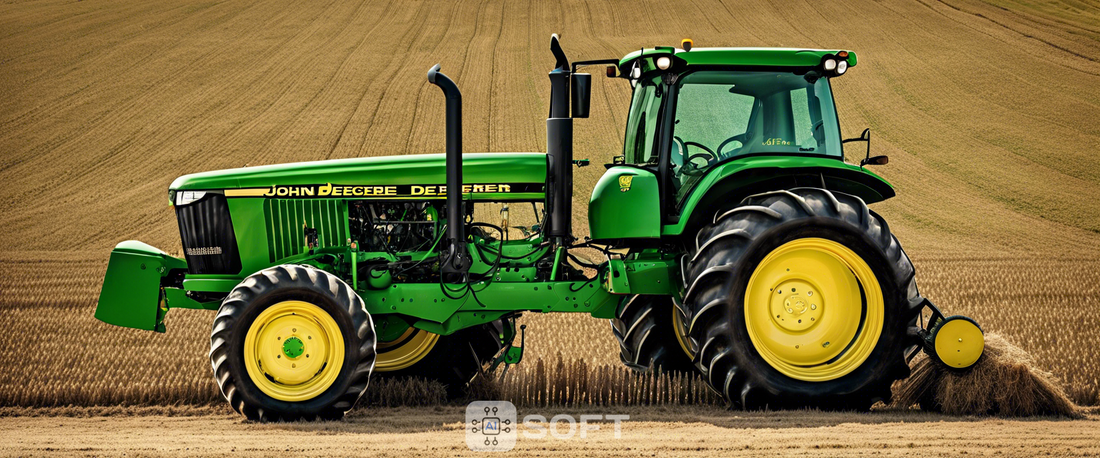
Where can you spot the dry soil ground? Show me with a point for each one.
(649, 432)
(988, 110)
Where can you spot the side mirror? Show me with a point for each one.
(877, 160)
(867, 160)
(581, 85)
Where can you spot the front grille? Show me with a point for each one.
(288, 218)
(206, 230)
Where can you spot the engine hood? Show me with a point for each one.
(522, 174)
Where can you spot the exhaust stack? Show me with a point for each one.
(456, 265)
(559, 146)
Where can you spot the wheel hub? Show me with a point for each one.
(293, 347)
(796, 305)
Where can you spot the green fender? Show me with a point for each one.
(730, 182)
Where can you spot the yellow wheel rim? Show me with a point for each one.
(805, 313)
(959, 343)
(406, 350)
(680, 331)
(293, 351)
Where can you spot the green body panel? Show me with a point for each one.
(211, 283)
(131, 295)
(765, 57)
(653, 276)
(625, 204)
(250, 229)
(729, 180)
(427, 172)
(651, 273)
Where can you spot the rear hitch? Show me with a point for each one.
(511, 354)
(955, 341)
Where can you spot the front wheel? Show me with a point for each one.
(801, 298)
(292, 342)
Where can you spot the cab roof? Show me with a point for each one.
(769, 57)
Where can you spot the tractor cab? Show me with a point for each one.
(728, 110)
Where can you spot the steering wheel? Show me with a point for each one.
(740, 138)
(691, 167)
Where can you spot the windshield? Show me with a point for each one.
(723, 114)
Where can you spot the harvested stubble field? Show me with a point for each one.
(989, 113)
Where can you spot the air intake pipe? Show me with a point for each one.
(455, 266)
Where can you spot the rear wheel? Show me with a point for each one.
(801, 298)
(646, 329)
(452, 360)
(292, 342)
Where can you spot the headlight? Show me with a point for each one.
(636, 72)
(829, 65)
(841, 67)
(186, 197)
(664, 62)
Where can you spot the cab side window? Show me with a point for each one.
(641, 129)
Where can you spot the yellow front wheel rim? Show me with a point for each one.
(408, 349)
(806, 314)
(293, 351)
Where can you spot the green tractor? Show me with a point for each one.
(735, 240)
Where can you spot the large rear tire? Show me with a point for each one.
(292, 342)
(764, 339)
(647, 336)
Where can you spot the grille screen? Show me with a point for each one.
(288, 218)
(206, 231)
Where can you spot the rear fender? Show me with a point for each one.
(731, 182)
(133, 290)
